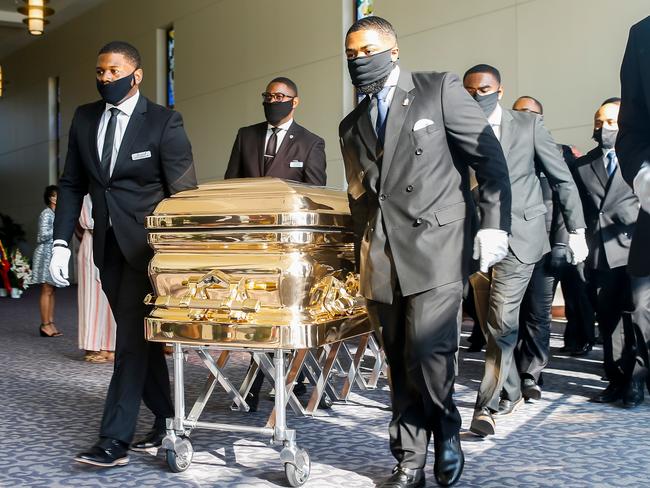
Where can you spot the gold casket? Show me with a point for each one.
(259, 263)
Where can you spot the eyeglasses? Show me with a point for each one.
(276, 97)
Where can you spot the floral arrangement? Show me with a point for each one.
(5, 266)
(21, 270)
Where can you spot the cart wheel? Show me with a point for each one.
(298, 473)
(179, 460)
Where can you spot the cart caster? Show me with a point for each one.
(298, 471)
(180, 458)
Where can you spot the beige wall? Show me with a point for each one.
(566, 53)
(227, 50)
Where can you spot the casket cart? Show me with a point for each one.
(259, 265)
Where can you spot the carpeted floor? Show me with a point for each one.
(51, 404)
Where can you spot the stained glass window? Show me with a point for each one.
(171, 99)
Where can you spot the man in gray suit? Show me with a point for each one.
(407, 149)
(528, 147)
(622, 301)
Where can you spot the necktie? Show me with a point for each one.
(271, 149)
(382, 113)
(109, 141)
(612, 162)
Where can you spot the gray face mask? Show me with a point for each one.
(369, 73)
(606, 138)
(487, 102)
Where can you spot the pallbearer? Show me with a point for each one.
(407, 149)
(129, 154)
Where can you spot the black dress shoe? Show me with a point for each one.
(583, 351)
(152, 440)
(506, 407)
(531, 390)
(482, 422)
(300, 389)
(325, 402)
(633, 396)
(449, 461)
(568, 349)
(611, 394)
(404, 478)
(475, 347)
(106, 454)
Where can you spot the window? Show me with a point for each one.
(171, 97)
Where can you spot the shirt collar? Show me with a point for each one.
(393, 77)
(284, 126)
(496, 115)
(607, 151)
(127, 106)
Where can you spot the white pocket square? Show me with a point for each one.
(140, 155)
(296, 164)
(422, 123)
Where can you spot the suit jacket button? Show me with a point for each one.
(418, 151)
(417, 222)
(361, 174)
(409, 188)
(383, 196)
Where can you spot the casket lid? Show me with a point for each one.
(253, 202)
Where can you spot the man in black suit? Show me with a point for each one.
(129, 154)
(278, 147)
(407, 148)
(622, 304)
(528, 148)
(633, 144)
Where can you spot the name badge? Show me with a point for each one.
(296, 164)
(141, 155)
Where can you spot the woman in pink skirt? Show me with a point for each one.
(96, 322)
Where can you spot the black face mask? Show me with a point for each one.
(606, 138)
(369, 73)
(115, 91)
(487, 102)
(276, 111)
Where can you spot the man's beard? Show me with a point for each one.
(373, 88)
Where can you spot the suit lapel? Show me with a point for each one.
(613, 186)
(598, 167)
(261, 147)
(397, 113)
(92, 138)
(132, 130)
(508, 130)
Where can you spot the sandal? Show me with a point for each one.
(95, 357)
(45, 334)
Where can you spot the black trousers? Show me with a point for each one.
(533, 347)
(623, 310)
(420, 337)
(140, 371)
(578, 307)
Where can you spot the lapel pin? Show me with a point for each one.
(290, 136)
(405, 102)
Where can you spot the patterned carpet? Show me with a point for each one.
(51, 403)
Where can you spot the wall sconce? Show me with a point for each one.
(36, 13)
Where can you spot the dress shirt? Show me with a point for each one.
(280, 135)
(126, 109)
(495, 120)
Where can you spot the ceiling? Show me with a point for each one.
(13, 33)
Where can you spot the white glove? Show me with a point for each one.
(490, 246)
(642, 186)
(578, 250)
(59, 265)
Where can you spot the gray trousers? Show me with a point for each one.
(510, 279)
